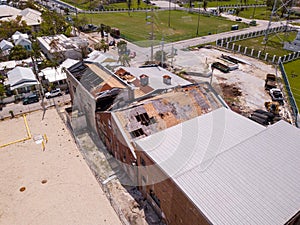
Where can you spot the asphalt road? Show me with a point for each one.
(19, 108)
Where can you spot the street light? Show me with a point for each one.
(151, 34)
(169, 13)
(198, 20)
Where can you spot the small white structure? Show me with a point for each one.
(293, 46)
(18, 35)
(104, 58)
(5, 47)
(21, 78)
(58, 75)
(26, 43)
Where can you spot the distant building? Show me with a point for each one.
(222, 168)
(57, 76)
(59, 47)
(30, 16)
(104, 58)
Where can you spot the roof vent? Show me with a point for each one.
(144, 79)
(167, 79)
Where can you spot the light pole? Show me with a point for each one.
(169, 13)
(151, 34)
(198, 21)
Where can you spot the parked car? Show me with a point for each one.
(238, 19)
(30, 99)
(252, 23)
(112, 43)
(276, 94)
(53, 93)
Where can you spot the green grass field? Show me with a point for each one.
(222, 3)
(273, 46)
(183, 25)
(292, 70)
(86, 5)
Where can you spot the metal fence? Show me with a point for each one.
(228, 43)
(290, 93)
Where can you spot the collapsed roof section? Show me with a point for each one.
(165, 109)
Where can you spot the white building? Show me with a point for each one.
(59, 46)
(57, 75)
(21, 79)
(30, 16)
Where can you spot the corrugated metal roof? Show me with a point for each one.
(235, 171)
(21, 75)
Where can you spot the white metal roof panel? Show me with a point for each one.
(20, 75)
(199, 140)
(233, 171)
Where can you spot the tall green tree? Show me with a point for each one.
(102, 45)
(53, 23)
(18, 52)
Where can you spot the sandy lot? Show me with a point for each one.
(58, 187)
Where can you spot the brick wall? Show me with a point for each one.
(175, 206)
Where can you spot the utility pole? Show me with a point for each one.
(162, 52)
(152, 35)
(152, 31)
(169, 22)
(198, 21)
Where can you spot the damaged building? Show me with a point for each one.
(193, 159)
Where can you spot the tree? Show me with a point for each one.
(124, 59)
(138, 3)
(66, 10)
(53, 23)
(122, 47)
(18, 52)
(79, 22)
(102, 45)
(2, 90)
(205, 5)
(160, 56)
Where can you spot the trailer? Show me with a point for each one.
(220, 66)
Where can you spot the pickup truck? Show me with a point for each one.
(270, 81)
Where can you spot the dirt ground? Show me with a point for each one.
(50, 186)
(242, 89)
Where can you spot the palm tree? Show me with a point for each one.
(102, 45)
(124, 59)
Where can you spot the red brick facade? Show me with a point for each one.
(174, 206)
